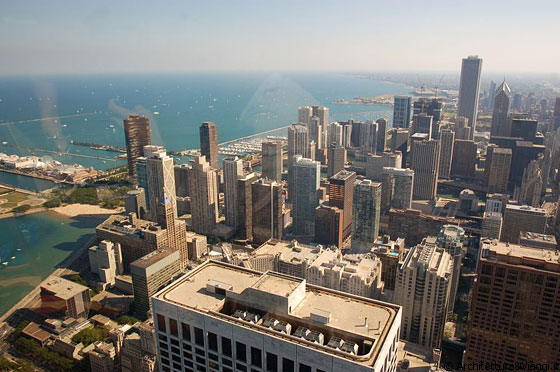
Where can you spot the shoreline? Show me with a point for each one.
(84, 210)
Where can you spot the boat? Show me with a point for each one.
(13, 258)
(5, 263)
(4, 143)
(19, 249)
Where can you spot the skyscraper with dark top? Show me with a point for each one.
(209, 143)
(137, 135)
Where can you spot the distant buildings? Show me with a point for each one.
(137, 135)
(331, 221)
(298, 144)
(422, 123)
(464, 159)
(203, 188)
(306, 176)
(267, 210)
(381, 134)
(531, 185)
(496, 171)
(341, 195)
(462, 128)
(365, 215)
(336, 159)
(209, 143)
(376, 163)
(446, 139)
(233, 170)
(469, 90)
(402, 111)
(500, 120)
(272, 161)
(423, 289)
(425, 164)
(245, 206)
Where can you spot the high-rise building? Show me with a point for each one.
(203, 187)
(137, 135)
(365, 215)
(491, 96)
(413, 225)
(422, 123)
(464, 159)
(150, 273)
(63, 298)
(209, 143)
(267, 210)
(335, 134)
(462, 128)
(425, 164)
(432, 107)
(382, 124)
(315, 130)
(423, 288)
(491, 225)
(556, 114)
(181, 180)
(446, 141)
(368, 137)
(105, 260)
(496, 172)
(390, 253)
(500, 121)
(298, 144)
(341, 195)
(469, 90)
(513, 316)
(271, 321)
(396, 188)
(304, 114)
(518, 218)
(376, 163)
(135, 202)
(523, 128)
(399, 142)
(331, 222)
(102, 358)
(402, 111)
(531, 185)
(336, 159)
(306, 175)
(245, 205)
(347, 135)
(233, 170)
(451, 238)
(272, 161)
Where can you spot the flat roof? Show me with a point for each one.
(63, 288)
(276, 284)
(152, 258)
(292, 252)
(525, 208)
(502, 251)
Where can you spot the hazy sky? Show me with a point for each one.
(69, 36)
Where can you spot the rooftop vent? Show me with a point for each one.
(320, 316)
(277, 325)
(309, 335)
(343, 345)
(247, 316)
(214, 286)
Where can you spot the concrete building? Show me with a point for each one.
(270, 322)
(529, 239)
(500, 121)
(197, 245)
(513, 313)
(267, 210)
(365, 215)
(423, 289)
(135, 202)
(298, 144)
(376, 163)
(272, 161)
(464, 159)
(306, 176)
(245, 205)
(469, 89)
(203, 186)
(149, 274)
(446, 143)
(341, 195)
(497, 169)
(105, 260)
(62, 298)
(402, 111)
(103, 357)
(137, 135)
(531, 185)
(431, 107)
(336, 159)
(519, 218)
(331, 220)
(335, 134)
(462, 128)
(522, 127)
(396, 188)
(233, 170)
(182, 180)
(451, 238)
(138, 348)
(492, 225)
(390, 253)
(368, 137)
(412, 225)
(423, 123)
(209, 143)
(382, 124)
(425, 164)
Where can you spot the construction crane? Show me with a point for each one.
(422, 87)
(438, 84)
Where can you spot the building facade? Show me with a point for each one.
(137, 135)
(469, 89)
(365, 215)
(209, 143)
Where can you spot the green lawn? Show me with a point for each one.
(12, 199)
(4, 190)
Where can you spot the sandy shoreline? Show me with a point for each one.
(73, 210)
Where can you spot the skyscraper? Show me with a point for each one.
(423, 287)
(422, 123)
(500, 121)
(298, 144)
(401, 111)
(272, 161)
(464, 159)
(341, 195)
(330, 221)
(137, 135)
(491, 95)
(203, 187)
(446, 140)
(469, 90)
(365, 215)
(368, 137)
(531, 185)
(425, 164)
(518, 218)
(431, 107)
(315, 130)
(209, 143)
(245, 205)
(556, 114)
(381, 134)
(462, 128)
(336, 159)
(233, 170)
(396, 188)
(306, 175)
(335, 134)
(451, 239)
(267, 210)
(497, 168)
(376, 163)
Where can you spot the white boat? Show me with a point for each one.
(13, 258)
(5, 263)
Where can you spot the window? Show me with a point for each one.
(198, 336)
(271, 362)
(287, 365)
(241, 351)
(186, 331)
(226, 346)
(256, 357)
(173, 327)
(212, 341)
(161, 323)
(304, 368)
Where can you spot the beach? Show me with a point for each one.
(84, 210)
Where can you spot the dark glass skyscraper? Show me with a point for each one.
(209, 143)
(469, 89)
(137, 135)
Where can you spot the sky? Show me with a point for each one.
(100, 36)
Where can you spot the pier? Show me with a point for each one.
(49, 118)
(61, 153)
